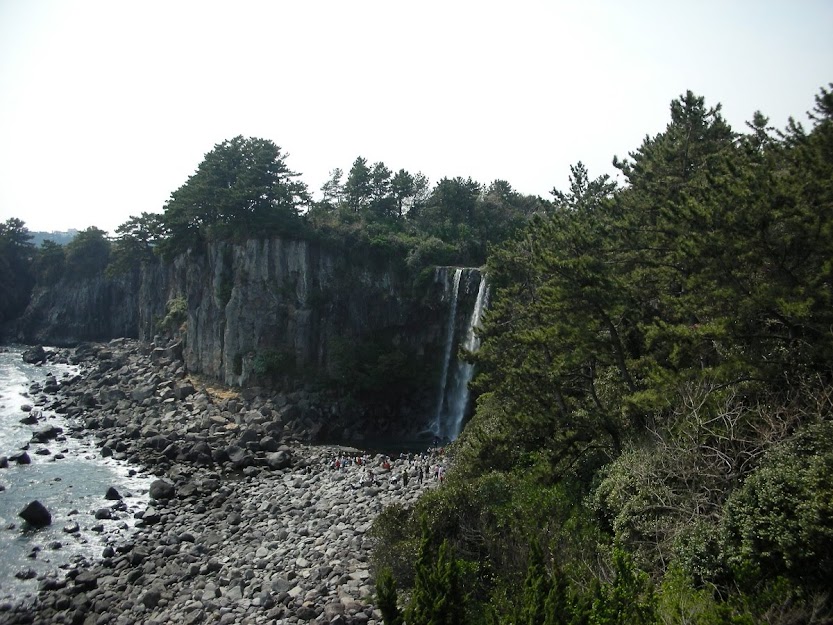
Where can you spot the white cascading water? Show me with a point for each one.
(458, 399)
(439, 422)
(453, 395)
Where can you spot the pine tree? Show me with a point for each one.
(437, 597)
(536, 589)
(558, 610)
(387, 598)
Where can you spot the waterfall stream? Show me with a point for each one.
(453, 392)
(458, 397)
(439, 421)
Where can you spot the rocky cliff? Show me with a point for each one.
(277, 312)
(282, 303)
(72, 311)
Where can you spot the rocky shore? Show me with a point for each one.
(245, 523)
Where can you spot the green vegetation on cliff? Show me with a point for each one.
(651, 442)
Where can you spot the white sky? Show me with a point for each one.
(107, 106)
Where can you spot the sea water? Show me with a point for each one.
(70, 480)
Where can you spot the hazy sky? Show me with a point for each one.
(106, 107)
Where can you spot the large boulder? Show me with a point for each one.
(279, 460)
(174, 352)
(240, 458)
(34, 355)
(36, 514)
(20, 458)
(46, 434)
(183, 390)
(142, 393)
(160, 489)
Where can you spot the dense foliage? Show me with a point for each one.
(16, 258)
(652, 435)
(242, 188)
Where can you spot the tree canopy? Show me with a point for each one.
(243, 187)
(654, 387)
(16, 256)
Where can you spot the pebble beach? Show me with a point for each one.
(244, 521)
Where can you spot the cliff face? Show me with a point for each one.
(276, 311)
(89, 310)
(285, 300)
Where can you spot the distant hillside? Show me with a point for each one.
(61, 238)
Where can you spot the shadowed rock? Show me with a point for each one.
(36, 514)
(34, 355)
(160, 489)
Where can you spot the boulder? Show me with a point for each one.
(36, 514)
(181, 391)
(141, 393)
(160, 489)
(45, 434)
(174, 351)
(268, 444)
(240, 458)
(278, 460)
(27, 573)
(86, 580)
(249, 435)
(112, 494)
(150, 516)
(34, 355)
(21, 458)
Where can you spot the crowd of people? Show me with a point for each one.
(423, 468)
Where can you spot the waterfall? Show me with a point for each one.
(437, 427)
(458, 399)
(453, 395)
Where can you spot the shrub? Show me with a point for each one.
(176, 314)
(274, 362)
(780, 523)
(387, 597)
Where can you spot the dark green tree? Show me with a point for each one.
(403, 188)
(628, 598)
(358, 187)
(499, 214)
(536, 589)
(558, 608)
(381, 203)
(136, 240)
(16, 258)
(49, 263)
(242, 188)
(333, 190)
(437, 597)
(554, 363)
(387, 598)
(88, 254)
(780, 522)
(422, 191)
